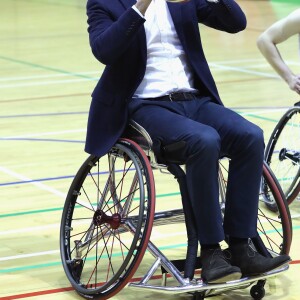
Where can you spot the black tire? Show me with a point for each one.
(257, 292)
(107, 220)
(283, 154)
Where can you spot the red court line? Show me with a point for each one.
(39, 293)
(68, 289)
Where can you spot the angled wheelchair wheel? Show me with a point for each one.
(283, 154)
(274, 228)
(107, 220)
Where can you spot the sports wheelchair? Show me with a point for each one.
(109, 213)
(283, 154)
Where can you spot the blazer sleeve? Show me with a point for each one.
(225, 15)
(109, 34)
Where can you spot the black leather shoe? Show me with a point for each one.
(251, 262)
(215, 267)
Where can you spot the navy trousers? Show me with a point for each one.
(210, 131)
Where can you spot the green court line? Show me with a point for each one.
(33, 65)
(69, 3)
(58, 263)
(284, 7)
(286, 1)
(29, 212)
(21, 213)
(259, 117)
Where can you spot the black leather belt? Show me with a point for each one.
(178, 96)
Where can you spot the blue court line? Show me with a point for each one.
(37, 180)
(51, 178)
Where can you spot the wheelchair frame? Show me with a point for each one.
(110, 218)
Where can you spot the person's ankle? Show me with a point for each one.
(234, 241)
(210, 246)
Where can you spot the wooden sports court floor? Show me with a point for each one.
(47, 73)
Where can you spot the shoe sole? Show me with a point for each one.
(283, 264)
(229, 277)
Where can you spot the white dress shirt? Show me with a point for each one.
(167, 69)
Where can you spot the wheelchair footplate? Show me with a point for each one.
(196, 286)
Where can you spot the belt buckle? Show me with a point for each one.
(170, 97)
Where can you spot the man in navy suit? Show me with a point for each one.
(156, 73)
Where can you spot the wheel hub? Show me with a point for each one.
(282, 154)
(101, 218)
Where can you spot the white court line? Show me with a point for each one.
(289, 62)
(43, 134)
(35, 254)
(243, 70)
(264, 112)
(251, 60)
(37, 184)
(295, 216)
(29, 229)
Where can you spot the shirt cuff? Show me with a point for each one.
(134, 8)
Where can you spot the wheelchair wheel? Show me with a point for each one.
(274, 228)
(283, 154)
(107, 220)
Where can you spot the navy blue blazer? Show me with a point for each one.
(118, 40)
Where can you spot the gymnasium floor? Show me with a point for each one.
(47, 73)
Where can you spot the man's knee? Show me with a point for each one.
(254, 138)
(206, 143)
(257, 135)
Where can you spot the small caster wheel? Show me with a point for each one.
(257, 292)
(198, 296)
(272, 206)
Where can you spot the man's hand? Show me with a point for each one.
(294, 83)
(142, 5)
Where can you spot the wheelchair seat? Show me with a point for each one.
(158, 154)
